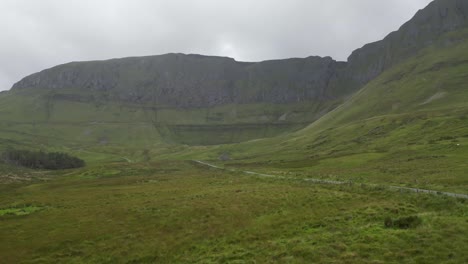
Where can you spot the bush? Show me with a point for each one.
(42, 160)
(403, 222)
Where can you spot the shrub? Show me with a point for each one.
(403, 222)
(388, 222)
(42, 160)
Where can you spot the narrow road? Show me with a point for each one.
(320, 181)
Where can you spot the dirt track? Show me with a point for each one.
(320, 181)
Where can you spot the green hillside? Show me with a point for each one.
(174, 98)
(50, 118)
(407, 127)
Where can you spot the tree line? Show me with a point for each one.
(42, 160)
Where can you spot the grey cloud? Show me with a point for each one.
(41, 34)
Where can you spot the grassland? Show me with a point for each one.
(179, 212)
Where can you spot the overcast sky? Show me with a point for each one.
(38, 34)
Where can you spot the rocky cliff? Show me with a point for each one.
(439, 17)
(180, 80)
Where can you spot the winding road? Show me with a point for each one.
(320, 181)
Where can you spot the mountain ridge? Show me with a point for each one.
(190, 96)
(220, 80)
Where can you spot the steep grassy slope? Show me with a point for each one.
(54, 118)
(436, 80)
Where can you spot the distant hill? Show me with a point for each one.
(190, 99)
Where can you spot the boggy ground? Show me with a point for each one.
(182, 212)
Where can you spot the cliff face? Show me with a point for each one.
(185, 81)
(439, 17)
(195, 81)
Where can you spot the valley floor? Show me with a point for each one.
(184, 212)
